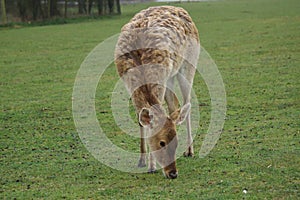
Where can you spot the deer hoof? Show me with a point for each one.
(142, 163)
(152, 171)
(188, 154)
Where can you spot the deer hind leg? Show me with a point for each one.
(185, 78)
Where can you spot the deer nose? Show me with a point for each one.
(173, 174)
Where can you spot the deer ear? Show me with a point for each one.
(145, 117)
(179, 115)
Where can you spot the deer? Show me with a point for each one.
(157, 46)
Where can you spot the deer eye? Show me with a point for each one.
(162, 143)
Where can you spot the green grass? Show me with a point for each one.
(256, 47)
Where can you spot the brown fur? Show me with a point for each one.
(156, 45)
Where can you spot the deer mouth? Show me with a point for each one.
(171, 174)
(170, 171)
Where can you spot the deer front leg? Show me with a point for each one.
(152, 163)
(185, 79)
(142, 161)
(190, 150)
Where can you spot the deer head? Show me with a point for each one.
(162, 137)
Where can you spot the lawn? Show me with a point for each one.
(255, 45)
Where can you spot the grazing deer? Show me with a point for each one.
(158, 45)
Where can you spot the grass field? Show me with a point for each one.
(255, 45)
